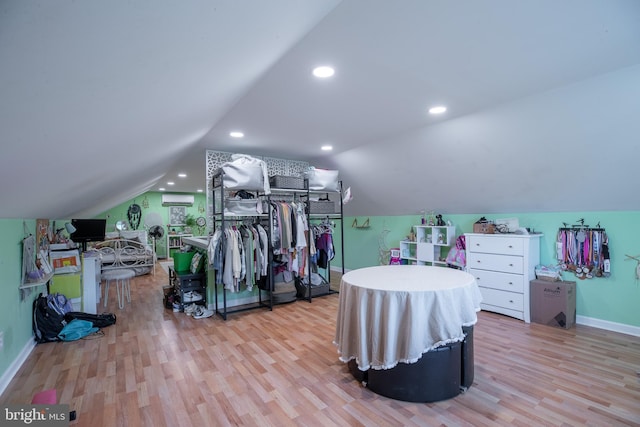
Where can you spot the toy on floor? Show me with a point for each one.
(49, 397)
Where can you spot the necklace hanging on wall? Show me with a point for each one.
(134, 213)
(145, 202)
(200, 207)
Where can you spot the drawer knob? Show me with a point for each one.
(510, 265)
(511, 301)
(510, 246)
(511, 283)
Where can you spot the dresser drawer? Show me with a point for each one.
(500, 263)
(496, 298)
(502, 281)
(495, 245)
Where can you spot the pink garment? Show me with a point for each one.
(457, 256)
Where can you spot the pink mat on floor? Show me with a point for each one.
(46, 397)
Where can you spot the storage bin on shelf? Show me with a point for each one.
(322, 207)
(322, 179)
(548, 273)
(243, 207)
(288, 182)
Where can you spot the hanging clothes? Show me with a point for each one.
(288, 241)
(237, 255)
(323, 234)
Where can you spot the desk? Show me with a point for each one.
(395, 314)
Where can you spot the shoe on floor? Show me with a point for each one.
(192, 296)
(202, 313)
(189, 309)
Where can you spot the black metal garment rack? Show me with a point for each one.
(221, 220)
(325, 217)
(311, 215)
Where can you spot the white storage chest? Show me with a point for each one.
(503, 265)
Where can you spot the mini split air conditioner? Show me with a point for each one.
(177, 200)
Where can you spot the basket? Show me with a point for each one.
(322, 207)
(484, 228)
(316, 290)
(291, 182)
(322, 179)
(243, 207)
(182, 261)
(284, 292)
(548, 273)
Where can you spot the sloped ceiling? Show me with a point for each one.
(101, 101)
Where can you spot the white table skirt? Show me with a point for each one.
(395, 313)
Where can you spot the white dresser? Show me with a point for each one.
(503, 265)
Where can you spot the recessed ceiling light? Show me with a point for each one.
(161, 188)
(170, 183)
(236, 134)
(323, 72)
(326, 148)
(437, 110)
(199, 190)
(182, 175)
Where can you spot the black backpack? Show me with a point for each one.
(47, 322)
(98, 320)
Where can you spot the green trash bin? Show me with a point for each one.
(182, 261)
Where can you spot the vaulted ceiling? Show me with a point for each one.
(102, 101)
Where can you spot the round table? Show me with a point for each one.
(402, 315)
(122, 277)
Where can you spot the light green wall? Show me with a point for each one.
(15, 315)
(613, 299)
(154, 200)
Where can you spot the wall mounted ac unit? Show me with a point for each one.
(177, 200)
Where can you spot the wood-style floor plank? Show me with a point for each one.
(280, 368)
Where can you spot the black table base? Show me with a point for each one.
(440, 374)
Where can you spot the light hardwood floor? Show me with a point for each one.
(280, 368)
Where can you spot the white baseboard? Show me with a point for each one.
(12, 370)
(609, 326)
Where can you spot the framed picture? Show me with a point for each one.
(177, 214)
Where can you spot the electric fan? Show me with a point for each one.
(156, 232)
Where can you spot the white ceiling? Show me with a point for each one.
(102, 101)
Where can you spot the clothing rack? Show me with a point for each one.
(225, 220)
(327, 222)
(326, 225)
